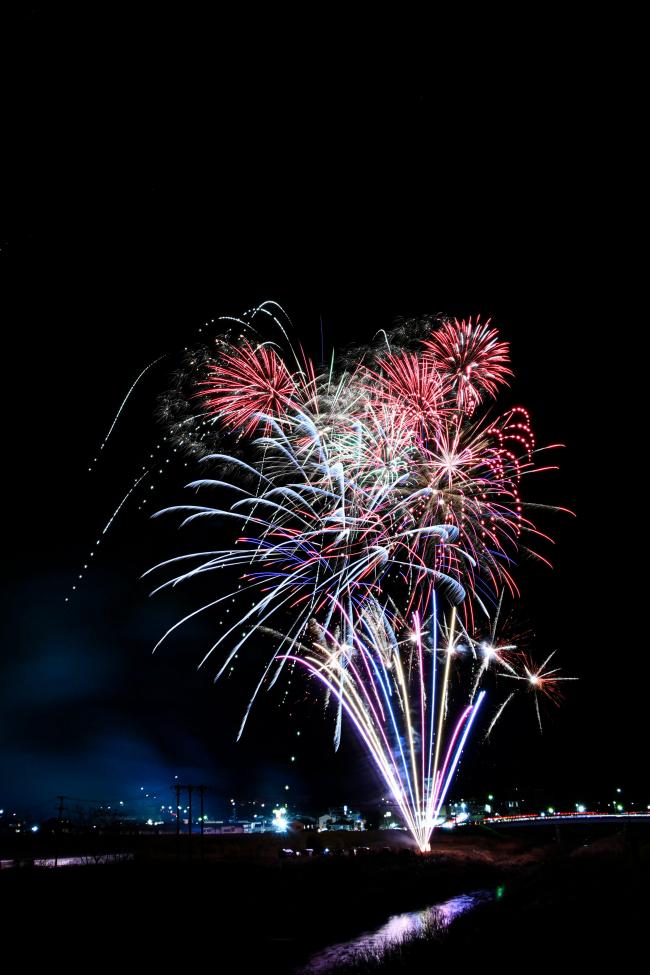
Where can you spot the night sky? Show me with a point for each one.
(145, 200)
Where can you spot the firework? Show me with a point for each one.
(541, 681)
(245, 383)
(397, 701)
(414, 384)
(471, 357)
(375, 515)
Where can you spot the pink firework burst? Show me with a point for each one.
(414, 385)
(246, 382)
(472, 357)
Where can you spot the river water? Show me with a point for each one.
(398, 928)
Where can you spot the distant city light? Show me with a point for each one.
(280, 821)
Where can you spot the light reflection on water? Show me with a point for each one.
(398, 928)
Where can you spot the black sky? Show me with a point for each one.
(152, 190)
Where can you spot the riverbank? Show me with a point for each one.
(272, 916)
(580, 908)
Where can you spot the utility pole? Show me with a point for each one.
(61, 809)
(177, 789)
(190, 790)
(202, 790)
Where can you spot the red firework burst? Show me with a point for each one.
(414, 385)
(246, 382)
(472, 357)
